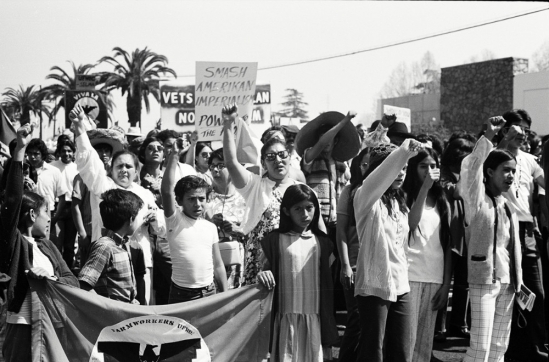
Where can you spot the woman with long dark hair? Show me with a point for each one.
(428, 252)
(381, 285)
(493, 245)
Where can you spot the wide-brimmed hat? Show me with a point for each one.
(110, 136)
(399, 129)
(134, 131)
(348, 144)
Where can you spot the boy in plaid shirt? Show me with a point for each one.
(109, 269)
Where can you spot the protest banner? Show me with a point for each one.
(76, 325)
(92, 102)
(177, 106)
(7, 130)
(404, 115)
(219, 84)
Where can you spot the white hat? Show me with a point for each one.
(134, 131)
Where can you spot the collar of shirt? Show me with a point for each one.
(118, 239)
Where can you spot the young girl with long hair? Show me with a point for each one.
(493, 245)
(297, 265)
(381, 284)
(25, 252)
(428, 251)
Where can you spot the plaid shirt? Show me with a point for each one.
(109, 268)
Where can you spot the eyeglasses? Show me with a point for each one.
(271, 156)
(153, 148)
(219, 166)
(206, 154)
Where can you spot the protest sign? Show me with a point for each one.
(86, 81)
(92, 102)
(404, 115)
(262, 104)
(177, 106)
(219, 84)
(75, 325)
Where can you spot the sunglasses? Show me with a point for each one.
(206, 154)
(271, 156)
(219, 166)
(153, 148)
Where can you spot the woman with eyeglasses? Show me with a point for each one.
(197, 156)
(226, 210)
(263, 194)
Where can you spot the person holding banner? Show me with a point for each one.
(25, 252)
(297, 265)
(263, 194)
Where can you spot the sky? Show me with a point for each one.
(36, 35)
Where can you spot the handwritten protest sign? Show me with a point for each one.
(177, 106)
(219, 84)
(404, 115)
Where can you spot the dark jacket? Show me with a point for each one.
(328, 329)
(15, 251)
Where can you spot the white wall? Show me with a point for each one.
(531, 92)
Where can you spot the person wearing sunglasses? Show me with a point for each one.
(151, 155)
(263, 194)
(226, 210)
(197, 156)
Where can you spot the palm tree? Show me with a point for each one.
(66, 81)
(24, 102)
(137, 74)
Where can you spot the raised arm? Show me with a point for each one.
(14, 195)
(470, 185)
(239, 174)
(90, 166)
(169, 181)
(416, 212)
(375, 185)
(326, 138)
(191, 151)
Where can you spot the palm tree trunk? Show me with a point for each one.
(133, 106)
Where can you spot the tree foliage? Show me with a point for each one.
(416, 78)
(138, 75)
(64, 81)
(294, 105)
(540, 59)
(25, 101)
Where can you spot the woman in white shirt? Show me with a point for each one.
(428, 252)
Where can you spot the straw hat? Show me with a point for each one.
(347, 146)
(110, 136)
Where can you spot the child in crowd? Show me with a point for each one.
(297, 264)
(493, 245)
(428, 252)
(109, 269)
(193, 241)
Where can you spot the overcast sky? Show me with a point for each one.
(36, 35)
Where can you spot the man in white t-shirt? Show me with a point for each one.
(193, 241)
(526, 343)
(51, 184)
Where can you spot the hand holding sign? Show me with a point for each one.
(80, 120)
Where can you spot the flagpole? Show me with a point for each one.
(40, 113)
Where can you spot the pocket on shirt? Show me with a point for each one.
(478, 257)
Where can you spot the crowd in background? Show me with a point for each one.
(380, 222)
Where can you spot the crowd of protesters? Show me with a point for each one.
(388, 221)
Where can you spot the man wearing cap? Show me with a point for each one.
(325, 144)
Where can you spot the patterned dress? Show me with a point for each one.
(268, 222)
(296, 334)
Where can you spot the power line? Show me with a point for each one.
(394, 44)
